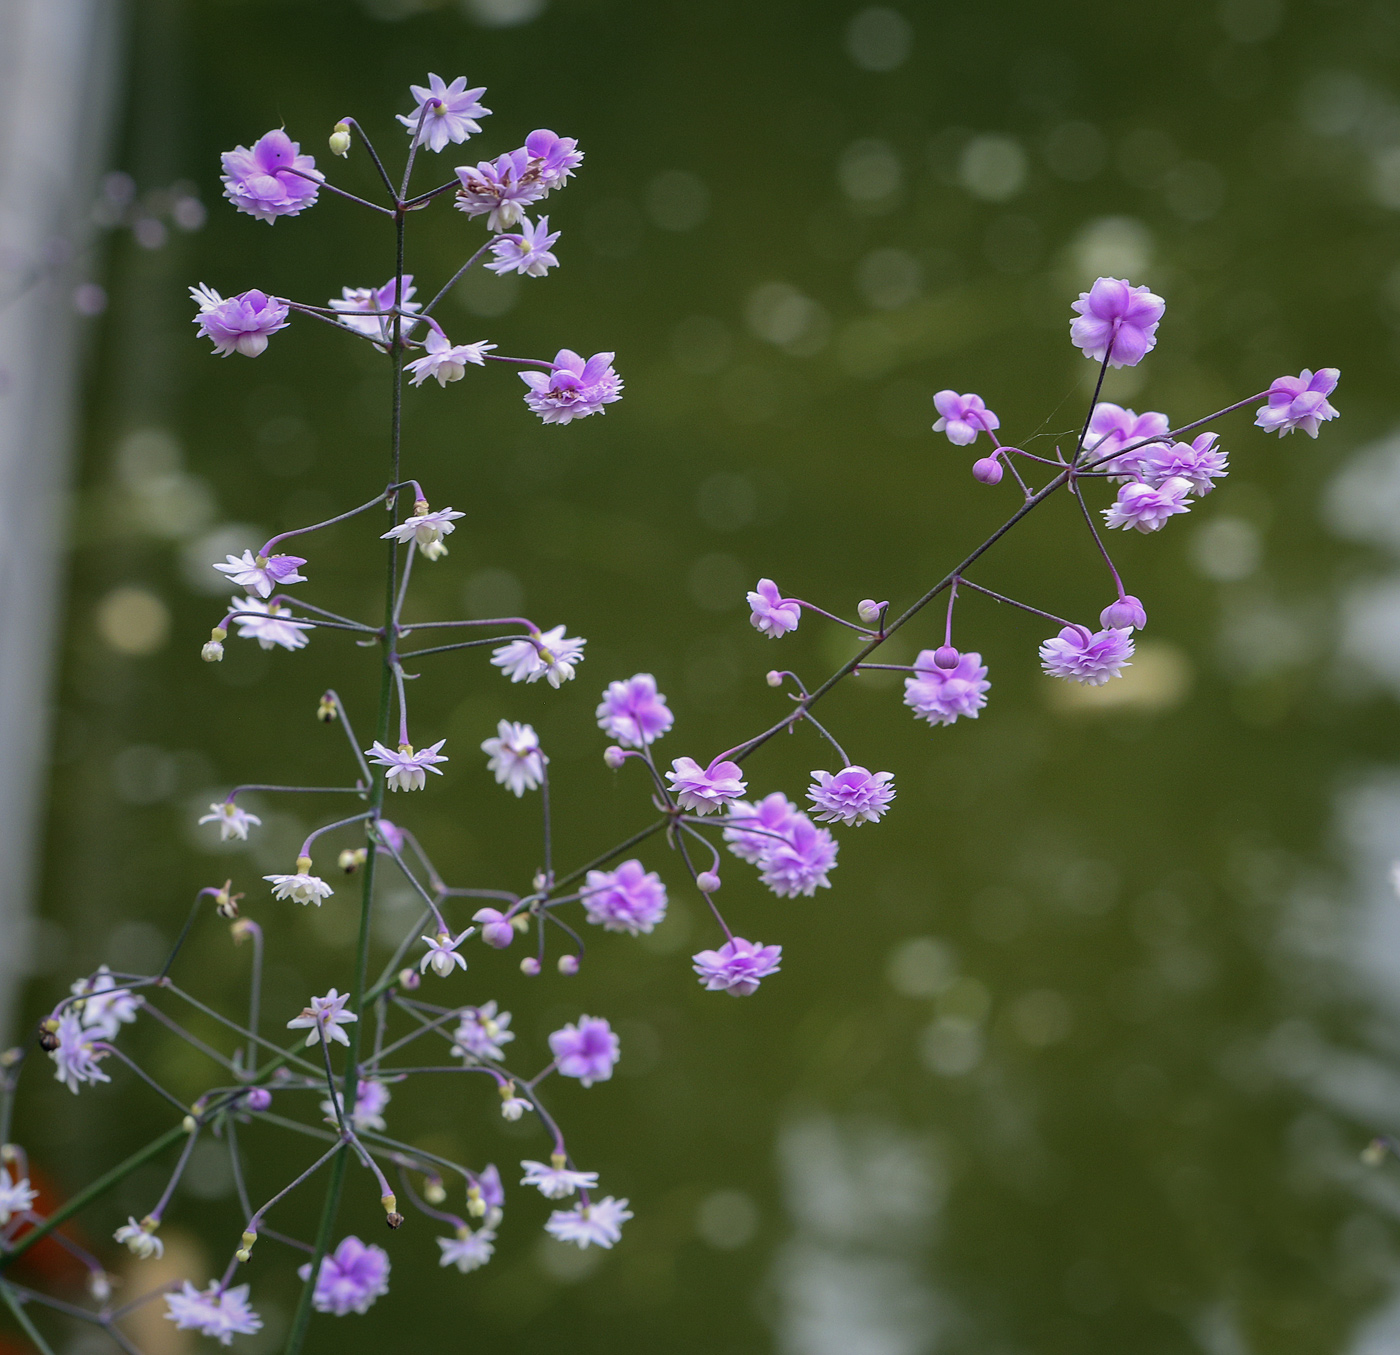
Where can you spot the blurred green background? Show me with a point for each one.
(1078, 1053)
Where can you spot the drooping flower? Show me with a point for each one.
(556, 157)
(943, 695)
(1125, 614)
(366, 310)
(528, 251)
(238, 324)
(506, 185)
(426, 528)
(233, 822)
(467, 1251)
(770, 613)
(452, 112)
(268, 623)
(704, 790)
(799, 862)
(852, 796)
(1111, 428)
(140, 1239)
(408, 770)
(962, 417)
(262, 181)
(482, 1034)
(550, 655)
(557, 1182)
(442, 953)
(302, 887)
(598, 1223)
(325, 1017)
(1118, 320)
(215, 1311)
(1146, 507)
(371, 1096)
(263, 574)
(514, 757)
(753, 830)
(737, 966)
(633, 712)
(444, 359)
(574, 388)
(106, 1007)
(1299, 402)
(1087, 657)
(496, 928)
(1199, 462)
(629, 899)
(350, 1279)
(74, 1056)
(16, 1194)
(587, 1050)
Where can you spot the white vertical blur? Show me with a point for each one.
(57, 67)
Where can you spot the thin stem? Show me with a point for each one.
(326, 183)
(373, 155)
(1094, 402)
(355, 748)
(825, 733)
(548, 835)
(1011, 602)
(13, 1303)
(316, 526)
(641, 836)
(464, 644)
(457, 276)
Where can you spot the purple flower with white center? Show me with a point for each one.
(1125, 614)
(268, 623)
(106, 1008)
(366, 309)
(16, 1195)
(555, 158)
(467, 1251)
(551, 655)
(262, 574)
(514, 757)
(301, 887)
(351, 1278)
(1088, 657)
(770, 612)
(482, 1033)
(239, 324)
(371, 1096)
(586, 1051)
(629, 899)
(496, 928)
(442, 953)
(1299, 402)
(1147, 507)
(217, 1312)
(525, 252)
(852, 796)
(427, 528)
(262, 181)
(943, 695)
(325, 1017)
(444, 359)
(408, 770)
(502, 187)
(962, 417)
(633, 712)
(573, 389)
(598, 1223)
(1111, 428)
(1117, 320)
(704, 790)
(557, 1182)
(798, 864)
(737, 966)
(74, 1057)
(452, 112)
(1200, 463)
(753, 830)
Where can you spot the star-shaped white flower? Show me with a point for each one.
(427, 527)
(556, 1182)
(407, 769)
(442, 953)
(325, 1016)
(303, 887)
(232, 821)
(550, 655)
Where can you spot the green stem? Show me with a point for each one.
(30, 1330)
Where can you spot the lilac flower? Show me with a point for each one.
(962, 417)
(551, 655)
(704, 791)
(526, 252)
(633, 712)
(452, 112)
(481, 1033)
(16, 1195)
(753, 830)
(1299, 402)
(1111, 428)
(325, 1016)
(217, 1312)
(408, 770)
(1090, 658)
(514, 757)
(771, 613)
(943, 695)
(106, 1008)
(1146, 507)
(468, 1250)
(573, 389)
(737, 966)
(268, 623)
(1199, 463)
(233, 822)
(263, 574)
(557, 1182)
(392, 834)
(598, 1223)
(442, 953)
(586, 1051)
(487, 1187)
(239, 324)
(365, 310)
(302, 887)
(261, 182)
(852, 796)
(629, 899)
(502, 187)
(427, 528)
(371, 1096)
(350, 1279)
(444, 359)
(1118, 320)
(799, 862)
(496, 928)
(74, 1056)
(257, 1098)
(1125, 614)
(556, 157)
(139, 1238)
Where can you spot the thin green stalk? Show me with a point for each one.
(30, 1330)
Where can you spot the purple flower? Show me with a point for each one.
(574, 389)
(629, 899)
(496, 929)
(1299, 402)
(1118, 320)
(106, 1008)
(365, 309)
(371, 1096)
(268, 623)
(852, 796)
(351, 1278)
(798, 863)
(551, 655)
(1199, 463)
(555, 157)
(598, 1223)
(526, 252)
(557, 1182)
(633, 712)
(586, 1051)
(258, 1098)
(487, 1186)
(261, 181)
(770, 612)
(263, 574)
(1111, 428)
(481, 1033)
(324, 1018)
(468, 1250)
(962, 417)
(943, 695)
(442, 954)
(74, 1056)
(737, 966)
(502, 187)
(392, 835)
(702, 791)
(753, 830)
(1146, 507)
(240, 324)
(452, 112)
(217, 1312)
(1091, 658)
(408, 770)
(514, 756)
(444, 359)
(1125, 614)
(427, 528)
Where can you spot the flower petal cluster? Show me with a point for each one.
(704, 790)
(325, 1017)
(262, 574)
(737, 966)
(629, 899)
(350, 1279)
(962, 417)
(1091, 658)
(551, 655)
(1299, 402)
(770, 612)
(528, 251)
(75, 1057)
(505, 186)
(302, 887)
(140, 1240)
(587, 1050)
(633, 712)
(268, 623)
(16, 1194)
(366, 310)
(514, 757)
(426, 529)
(1116, 320)
(799, 863)
(452, 112)
(469, 1250)
(233, 822)
(240, 324)
(496, 928)
(482, 1033)
(1199, 462)
(1145, 507)
(262, 181)
(752, 830)
(943, 695)
(371, 1096)
(105, 1007)
(444, 359)
(852, 796)
(442, 955)
(556, 1182)
(1111, 428)
(215, 1311)
(408, 770)
(573, 388)
(598, 1223)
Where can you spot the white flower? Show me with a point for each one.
(427, 528)
(140, 1242)
(302, 888)
(512, 1107)
(597, 1224)
(556, 1182)
(551, 655)
(261, 574)
(325, 1016)
(212, 652)
(407, 769)
(74, 1055)
(514, 756)
(106, 1008)
(232, 821)
(16, 1195)
(267, 624)
(445, 360)
(468, 1250)
(442, 953)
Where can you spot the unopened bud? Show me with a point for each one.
(303, 865)
(707, 882)
(614, 756)
(1125, 614)
(242, 930)
(530, 966)
(409, 978)
(775, 678)
(987, 470)
(946, 657)
(434, 1191)
(352, 858)
(325, 710)
(213, 652)
(189, 1124)
(340, 139)
(242, 1254)
(99, 1286)
(540, 882)
(1375, 1152)
(869, 611)
(568, 964)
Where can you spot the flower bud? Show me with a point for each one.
(530, 966)
(614, 756)
(189, 1124)
(1374, 1153)
(409, 978)
(568, 964)
(1125, 614)
(340, 139)
(99, 1286)
(258, 1098)
(775, 678)
(352, 858)
(325, 711)
(987, 470)
(945, 656)
(213, 652)
(433, 1190)
(707, 882)
(869, 611)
